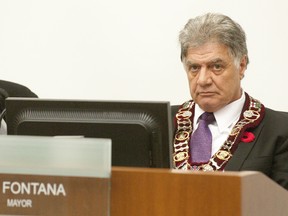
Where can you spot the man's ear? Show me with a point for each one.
(243, 66)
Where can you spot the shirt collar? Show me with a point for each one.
(226, 116)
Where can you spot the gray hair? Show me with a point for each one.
(213, 27)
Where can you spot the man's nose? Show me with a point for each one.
(204, 77)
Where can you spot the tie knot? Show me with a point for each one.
(207, 117)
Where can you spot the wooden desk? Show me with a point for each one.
(163, 192)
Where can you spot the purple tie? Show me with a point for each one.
(201, 140)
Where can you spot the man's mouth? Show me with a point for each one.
(206, 94)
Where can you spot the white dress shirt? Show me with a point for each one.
(225, 118)
(3, 129)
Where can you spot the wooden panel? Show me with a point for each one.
(161, 192)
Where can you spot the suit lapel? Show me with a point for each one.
(242, 152)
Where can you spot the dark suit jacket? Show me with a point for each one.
(12, 89)
(268, 153)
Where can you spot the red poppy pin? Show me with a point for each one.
(247, 137)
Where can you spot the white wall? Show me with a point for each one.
(128, 50)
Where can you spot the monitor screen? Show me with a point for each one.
(140, 131)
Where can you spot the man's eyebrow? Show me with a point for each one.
(217, 60)
(188, 62)
(212, 61)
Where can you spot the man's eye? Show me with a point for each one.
(194, 68)
(216, 67)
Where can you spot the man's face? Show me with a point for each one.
(214, 79)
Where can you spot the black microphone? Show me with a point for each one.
(3, 95)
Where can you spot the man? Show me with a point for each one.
(245, 134)
(10, 89)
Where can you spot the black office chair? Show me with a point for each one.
(11, 89)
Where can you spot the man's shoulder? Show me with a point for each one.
(270, 111)
(16, 90)
(275, 115)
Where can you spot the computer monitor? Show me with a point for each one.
(140, 130)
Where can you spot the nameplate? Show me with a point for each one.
(53, 195)
(54, 176)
